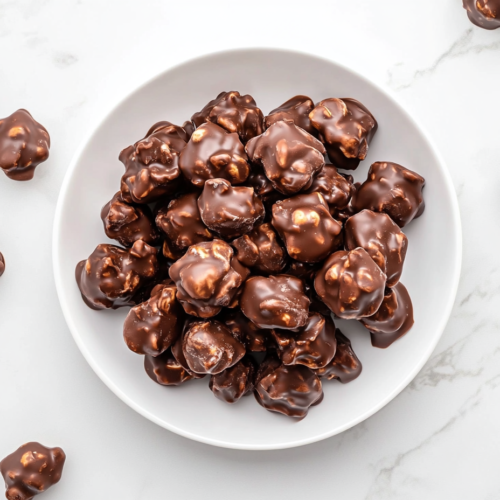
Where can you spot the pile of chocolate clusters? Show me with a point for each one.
(262, 239)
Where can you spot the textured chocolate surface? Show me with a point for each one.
(313, 345)
(345, 366)
(128, 222)
(309, 231)
(296, 109)
(483, 13)
(351, 284)
(165, 369)
(24, 144)
(32, 469)
(209, 347)
(290, 390)
(178, 353)
(382, 238)
(346, 127)
(289, 155)
(205, 278)
(234, 382)
(233, 112)
(254, 339)
(111, 276)
(275, 302)
(181, 223)
(189, 128)
(229, 211)
(2, 264)
(392, 189)
(152, 327)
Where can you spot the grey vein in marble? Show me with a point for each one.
(63, 60)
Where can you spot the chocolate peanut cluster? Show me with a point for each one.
(483, 13)
(242, 243)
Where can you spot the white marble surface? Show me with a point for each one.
(68, 61)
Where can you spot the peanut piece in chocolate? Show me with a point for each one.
(313, 345)
(211, 153)
(254, 339)
(128, 222)
(209, 348)
(290, 390)
(165, 369)
(346, 128)
(345, 366)
(24, 144)
(393, 319)
(351, 284)
(296, 109)
(181, 223)
(152, 327)
(275, 302)
(483, 13)
(229, 211)
(2, 264)
(112, 276)
(261, 250)
(178, 353)
(32, 469)
(382, 238)
(206, 279)
(392, 189)
(233, 112)
(309, 231)
(152, 164)
(234, 382)
(290, 156)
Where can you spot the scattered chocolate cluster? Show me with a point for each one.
(483, 13)
(241, 241)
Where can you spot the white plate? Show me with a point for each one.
(271, 76)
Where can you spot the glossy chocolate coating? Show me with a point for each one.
(206, 279)
(234, 382)
(393, 319)
(178, 353)
(335, 188)
(313, 345)
(290, 156)
(24, 144)
(229, 211)
(233, 112)
(261, 250)
(152, 164)
(296, 109)
(254, 339)
(165, 369)
(2, 264)
(128, 222)
(351, 284)
(211, 153)
(209, 348)
(392, 189)
(275, 302)
(346, 128)
(181, 223)
(345, 366)
(305, 225)
(290, 390)
(152, 327)
(382, 238)
(189, 128)
(484, 13)
(111, 276)
(32, 469)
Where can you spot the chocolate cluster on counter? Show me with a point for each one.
(483, 13)
(242, 243)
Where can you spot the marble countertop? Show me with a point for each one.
(68, 61)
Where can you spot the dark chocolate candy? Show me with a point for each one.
(290, 390)
(275, 302)
(209, 347)
(189, 128)
(309, 231)
(2, 264)
(112, 276)
(32, 469)
(382, 238)
(24, 144)
(290, 156)
(234, 382)
(483, 13)
(165, 369)
(351, 284)
(233, 112)
(254, 339)
(392, 189)
(229, 211)
(296, 109)
(128, 222)
(346, 128)
(178, 353)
